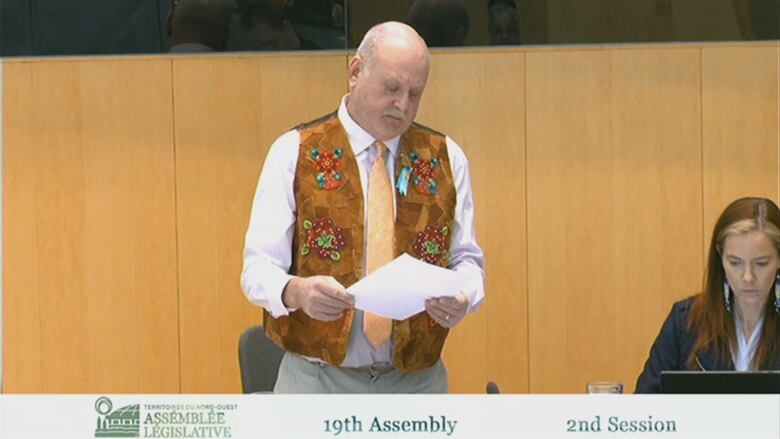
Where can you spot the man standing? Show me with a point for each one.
(341, 196)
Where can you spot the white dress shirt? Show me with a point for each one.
(268, 246)
(745, 349)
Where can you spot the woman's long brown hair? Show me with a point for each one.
(709, 319)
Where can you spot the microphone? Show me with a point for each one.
(492, 388)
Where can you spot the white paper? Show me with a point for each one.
(398, 290)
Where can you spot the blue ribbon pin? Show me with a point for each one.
(403, 180)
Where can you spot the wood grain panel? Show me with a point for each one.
(655, 133)
(96, 137)
(228, 112)
(740, 125)
(64, 307)
(478, 100)
(153, 213)
(613, 208)
(127, 180)
(21, 290)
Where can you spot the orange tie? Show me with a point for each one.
(381, 237)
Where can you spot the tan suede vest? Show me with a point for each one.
(329, 236)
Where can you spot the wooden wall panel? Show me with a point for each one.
(228, 112)
(740, 125)
(613, 208)
(655, 129)
(597, 174)
(153, 214)
(93, 143)
(479, 102)
(21, 287)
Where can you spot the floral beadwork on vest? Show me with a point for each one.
(328, 165)
(324, 238)
(430, 244)
(423, 172)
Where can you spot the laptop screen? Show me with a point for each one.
(720, 382)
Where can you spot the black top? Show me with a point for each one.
(672, 347)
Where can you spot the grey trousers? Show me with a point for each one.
(298, 375)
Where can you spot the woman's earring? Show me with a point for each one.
(727, 295)
(777, 292)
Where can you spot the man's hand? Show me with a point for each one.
(320, 297)
(447, 311)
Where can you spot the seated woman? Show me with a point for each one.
(734, 324)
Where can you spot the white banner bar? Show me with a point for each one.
(390, 416)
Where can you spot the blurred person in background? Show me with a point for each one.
(198, 26)
(269, 25)
(441, 23)
(503, 23)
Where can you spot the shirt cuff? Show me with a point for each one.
(275, 289)
(473, 288)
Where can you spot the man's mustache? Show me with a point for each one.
(394, 112)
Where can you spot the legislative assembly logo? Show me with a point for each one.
(122, 422)
(190, 420)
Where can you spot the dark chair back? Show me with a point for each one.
(259, 359)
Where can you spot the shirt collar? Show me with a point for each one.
(741, 334)
(744, 351)
(360, 139)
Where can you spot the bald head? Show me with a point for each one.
(392, 34)
(387, 77)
